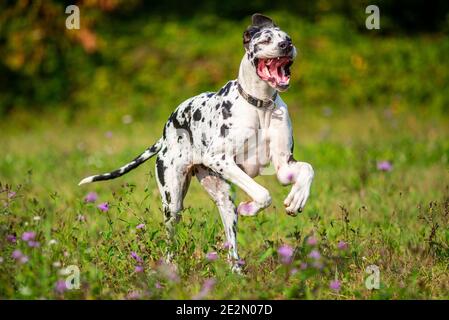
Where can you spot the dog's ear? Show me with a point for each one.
(261, 21)
(248, 34)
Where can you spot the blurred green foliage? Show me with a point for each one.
(127, 51)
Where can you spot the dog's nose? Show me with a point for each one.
(286, 44)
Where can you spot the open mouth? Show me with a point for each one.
(276, 71)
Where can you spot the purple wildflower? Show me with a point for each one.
(103, 206)
(158, 285)
(138, 269)
(286, 253)
(312, 241)
(384, 166)
(11, 194)
(140, 226)
(212, 256)
(342, 245)
(11, 238)
(207, 287)
(315, 254)
(241, 262)
(33, 244)
(19, 256)
(133, 295)
(91, 197)
(28, 236)
(16, 254)
(136, 257)
(303, 265)
(227, 245)
(335, 285)
(60, 286)
(293, 271)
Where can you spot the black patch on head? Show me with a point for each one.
(164, 151)
(223, 157)
(217, 106)
(210, 94)
(160, 171)
(224, 130)
(204, 103)
(226, 109)
(197, 115)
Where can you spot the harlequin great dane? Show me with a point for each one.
(230, 137)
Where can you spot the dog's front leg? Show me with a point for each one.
(288, 170)
(225, 166)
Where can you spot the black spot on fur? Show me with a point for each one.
(225, 90)
(167, 196)
(224, 130)
(160, 171)
(223, 157)
(227, 105)
(197, 115)
(184, 125)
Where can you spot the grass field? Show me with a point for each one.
(357, 215)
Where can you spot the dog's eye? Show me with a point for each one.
(266, 41)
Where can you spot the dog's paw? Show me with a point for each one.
(296, 200)
(248, 208)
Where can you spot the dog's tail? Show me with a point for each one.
(147, 154)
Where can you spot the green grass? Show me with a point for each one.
(355, 100)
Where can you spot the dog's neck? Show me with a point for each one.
(251, 83)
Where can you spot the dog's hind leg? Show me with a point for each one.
(173, 182)
(220, 192)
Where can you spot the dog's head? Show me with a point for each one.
(270, 50)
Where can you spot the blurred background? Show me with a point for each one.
(147, 56)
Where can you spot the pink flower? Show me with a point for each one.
(60, 286)
(91, 197)
(384, 166)
(33, 244)
(140, 226)
(11, 238)
(207, 287)
(16, 254)
(241, 262)
(342, 245)
(158, 285)
(315, 254)
(138, 269)
(335, 285)
(212, 256)
(136, 257)
(286, 253)
(312, 241)
(293, 271)
(19, 256)
(103, 206)
(303, 266)
(227, 245)
(29, 235)
(11, 194)
(134, 295)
